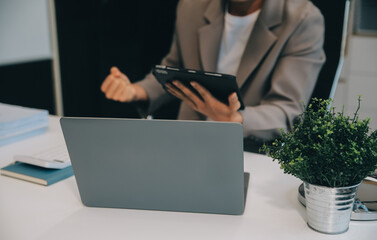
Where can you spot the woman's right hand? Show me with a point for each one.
(118, 87)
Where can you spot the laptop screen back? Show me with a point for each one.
(157, 164)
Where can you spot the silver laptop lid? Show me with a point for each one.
(157, 164)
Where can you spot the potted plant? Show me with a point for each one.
(332, 153)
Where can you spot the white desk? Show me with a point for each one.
(31, 211)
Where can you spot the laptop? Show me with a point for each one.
(188, 166)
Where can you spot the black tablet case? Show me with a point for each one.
(220, 85)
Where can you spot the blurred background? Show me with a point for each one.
(54, 54)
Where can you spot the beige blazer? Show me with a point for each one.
(278, 69)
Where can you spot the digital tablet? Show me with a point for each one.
(218, 84)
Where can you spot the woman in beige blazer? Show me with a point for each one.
(277, 72)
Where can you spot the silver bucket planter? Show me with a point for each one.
(329, 209)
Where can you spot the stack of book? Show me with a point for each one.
(17, 123)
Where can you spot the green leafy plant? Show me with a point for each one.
(327, 148)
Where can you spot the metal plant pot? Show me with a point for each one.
(329, 209)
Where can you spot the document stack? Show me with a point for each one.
(17, 123)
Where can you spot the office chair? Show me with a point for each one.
(336, 16)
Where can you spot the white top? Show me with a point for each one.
(236, 33)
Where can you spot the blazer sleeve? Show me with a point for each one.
(292, 81)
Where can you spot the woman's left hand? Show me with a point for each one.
(209, 106)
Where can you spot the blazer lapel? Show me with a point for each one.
(261, 39)
(210, 35)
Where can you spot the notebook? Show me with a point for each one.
(188, 166)
(36, 174)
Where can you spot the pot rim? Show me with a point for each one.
(346, 187)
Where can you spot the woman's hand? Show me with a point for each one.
(118, 87)
(209, 106)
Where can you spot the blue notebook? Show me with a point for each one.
(35, 174)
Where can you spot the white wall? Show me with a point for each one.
(24, 31)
